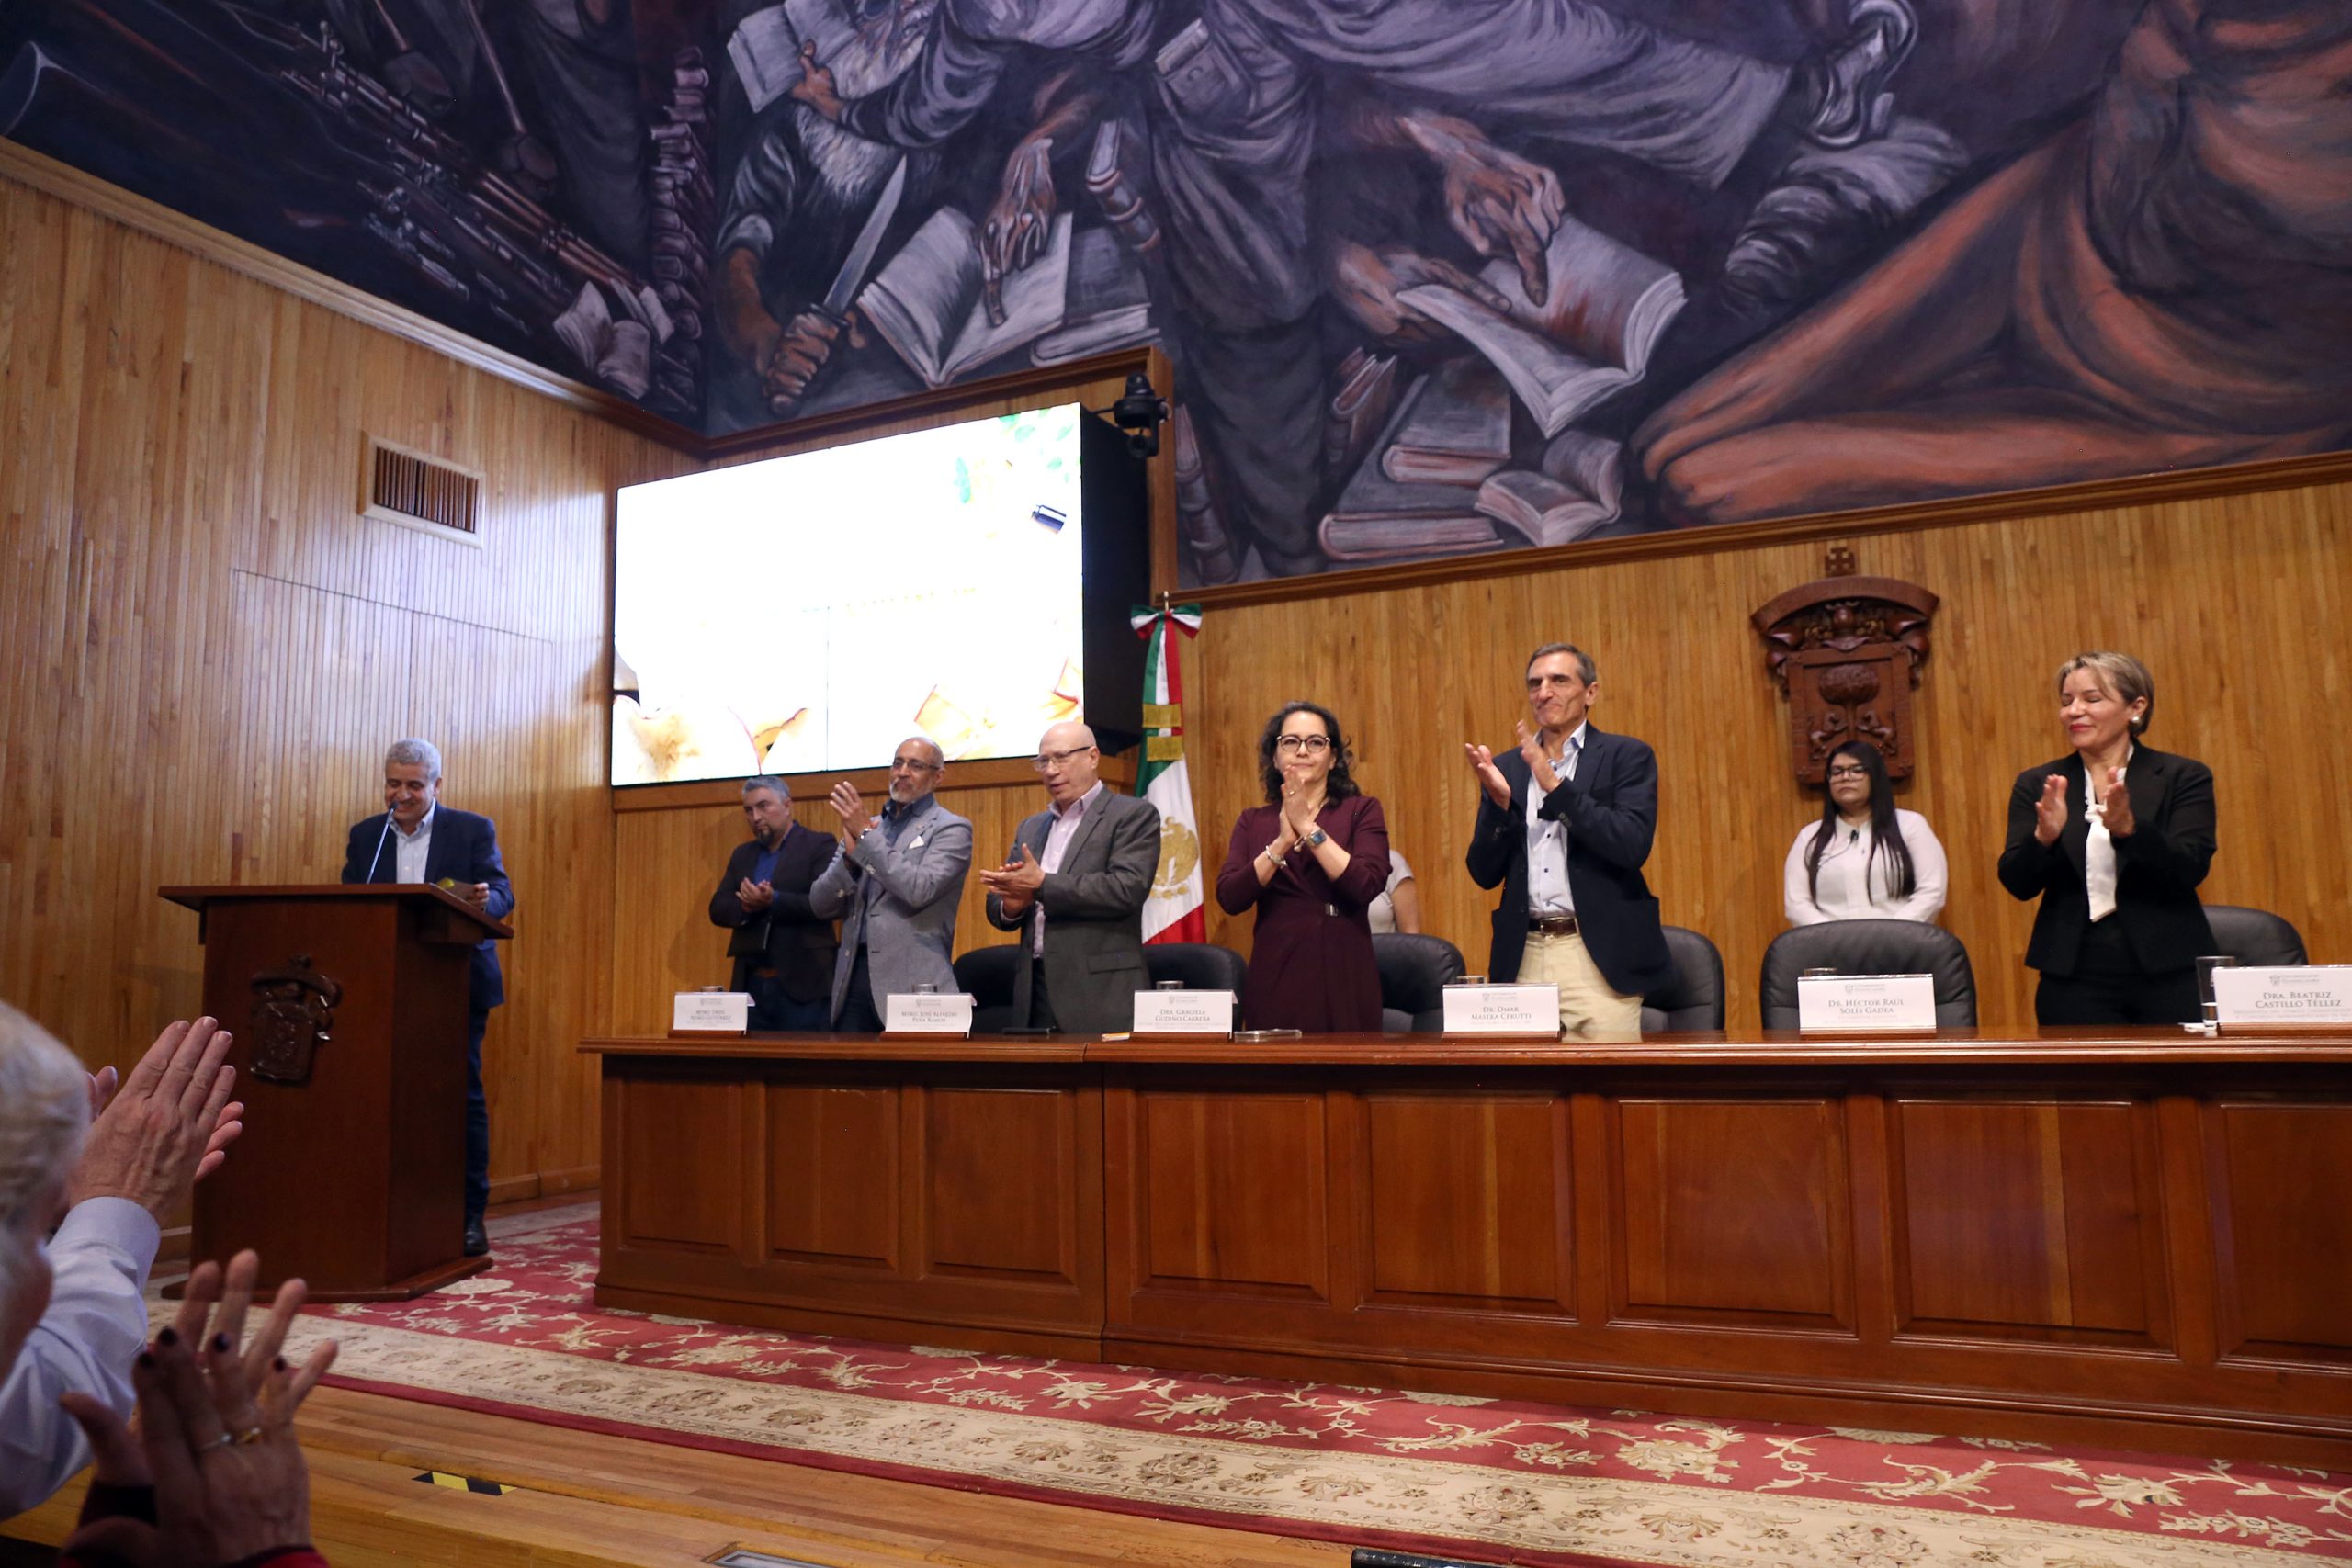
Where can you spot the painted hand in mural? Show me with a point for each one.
(1496, 200)
(2049, 811)
(815, 87)
(1490, 777)
(1367, 282)
(800, 350)
(1015, 233)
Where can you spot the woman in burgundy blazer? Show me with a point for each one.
(1312, 859)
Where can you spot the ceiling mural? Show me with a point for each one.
(1438, 277)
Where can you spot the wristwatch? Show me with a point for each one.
(1314, 841)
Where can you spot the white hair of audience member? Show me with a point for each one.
(44, 1111)
(415, 753)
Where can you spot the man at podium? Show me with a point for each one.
(415, 839)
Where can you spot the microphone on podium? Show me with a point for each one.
(379, 855)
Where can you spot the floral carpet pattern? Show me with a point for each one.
(1498, 1479)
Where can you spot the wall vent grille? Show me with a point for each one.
(405, 487)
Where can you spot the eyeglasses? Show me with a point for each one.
(1312, 744)
(908, 765)
(1850, 772)
(1056, 759)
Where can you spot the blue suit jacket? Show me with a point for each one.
(464, 849)
(1611, 809)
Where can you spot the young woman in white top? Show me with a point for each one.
(1866, 859)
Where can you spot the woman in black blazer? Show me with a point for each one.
(2125, 822)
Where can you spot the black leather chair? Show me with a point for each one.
(1201, 965)
(2255, 938)
(1693, 999)
(987, 975)
(1414, 972)
(1870, 947)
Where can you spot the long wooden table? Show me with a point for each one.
(2143, 1239)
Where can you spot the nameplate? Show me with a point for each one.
(1183, 1014)
(1517, 1012)
(1853, 1004)
(916, 1012)
(2257, 999)
(710, 1012)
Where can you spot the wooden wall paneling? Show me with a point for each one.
(1463, 1202)
(2230, 599)
(211, 646)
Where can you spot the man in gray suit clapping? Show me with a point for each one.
(1074, 887)
(894, 888)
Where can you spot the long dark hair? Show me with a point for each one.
(1338, 786)
(1887, 833)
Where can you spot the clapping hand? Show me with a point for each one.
(850, 806)
(2049, 811)
(1298, 817)
(1539, 761)
(1017, 881)
(216, 1433)
(754, 895)
(170, 1124)
(1490, 777)
(2115, 807)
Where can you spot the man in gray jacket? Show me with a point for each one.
(894, 888)
(1074, 887)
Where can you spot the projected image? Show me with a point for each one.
(810, 612)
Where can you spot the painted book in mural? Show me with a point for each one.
(1578, 490)
(927, 302)
(1605, 308)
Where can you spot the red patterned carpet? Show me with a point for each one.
(1490, 1479)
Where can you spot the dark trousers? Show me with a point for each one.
(2119, 999)
(1041, 1007)
(772, 1009)
(859, 1016)
(476, 1120)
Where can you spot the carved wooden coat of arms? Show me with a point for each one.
(293, 1014)
(1846, 651)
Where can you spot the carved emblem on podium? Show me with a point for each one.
(1846, 651)
(293, 1015)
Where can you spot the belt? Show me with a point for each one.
(1552, 925)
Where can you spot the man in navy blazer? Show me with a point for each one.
(1565, 824)
(416, 839)
(783, 955)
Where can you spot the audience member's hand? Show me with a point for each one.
(1538, 760)
(754, 895)
(216, 1432)
(171, 1123)
(1490, 777)
(102, 1083)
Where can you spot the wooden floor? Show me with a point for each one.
(586, 1500)
(583, 1501)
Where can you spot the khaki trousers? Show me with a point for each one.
(1589, 1005)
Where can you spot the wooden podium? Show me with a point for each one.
(350, 1172)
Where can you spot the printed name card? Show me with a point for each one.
(2255, 998)
(710, 1012)
(1184, 1014)
(1854, 1004)
(1518, 1012)
(921, 1012)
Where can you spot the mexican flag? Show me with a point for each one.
(1174, 912)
